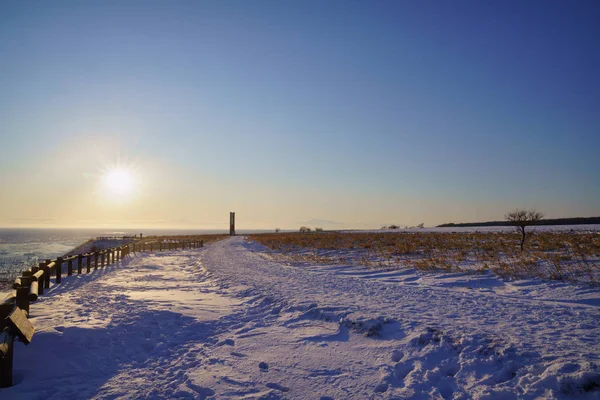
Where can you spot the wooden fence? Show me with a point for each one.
(14, 309)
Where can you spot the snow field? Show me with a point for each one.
(232, 321)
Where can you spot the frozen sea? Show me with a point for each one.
(40, 243)
(24, 247)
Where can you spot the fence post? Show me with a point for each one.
(59, 261)
(102, 257)
(41, 282)
(79, 263)
(6, 362)
(96, 254)
(88, 262)
(70, 267)
(202, 243)
(47, 274)
(23, 298)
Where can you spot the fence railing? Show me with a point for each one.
(14, 309)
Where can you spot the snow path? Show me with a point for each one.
(433, 341)
(228, 321)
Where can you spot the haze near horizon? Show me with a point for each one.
(346, 114)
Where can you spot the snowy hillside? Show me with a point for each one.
(232, 321)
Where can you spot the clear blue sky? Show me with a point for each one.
(358, 112)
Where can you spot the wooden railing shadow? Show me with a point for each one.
(47, 278)
(137, 341)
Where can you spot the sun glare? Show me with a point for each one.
(119, 182)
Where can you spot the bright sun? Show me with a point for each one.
(119, 182)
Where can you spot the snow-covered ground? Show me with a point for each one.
(231, 320)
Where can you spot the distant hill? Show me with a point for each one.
(556, 221)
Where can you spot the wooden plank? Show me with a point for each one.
(10, 297)
(33, 291)
(36, 277)
(25, 330)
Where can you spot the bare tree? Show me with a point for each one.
(522, 219)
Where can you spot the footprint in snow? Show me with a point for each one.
(263, 366)
(397, 355)
(382, 387)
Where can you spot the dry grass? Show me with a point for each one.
(548, 255)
